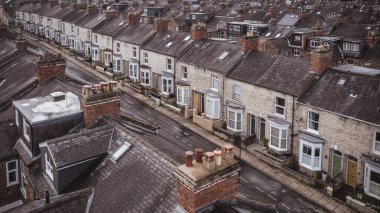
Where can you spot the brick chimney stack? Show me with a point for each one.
(100, 99)
(76, 6)
(92, 10)
(21, 44)
(160, 24)
(50, 65)
(3, 29)
(249, 42)
(198, 31)
(133, 18)
(320, 59)
(373, 36)
(111, 14)
(212, 179)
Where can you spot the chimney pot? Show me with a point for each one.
(189, 158)
(198, 155)
(209, 161)
(218, 157)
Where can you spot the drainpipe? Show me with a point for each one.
(292, 135)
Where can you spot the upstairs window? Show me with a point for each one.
(313, 122)
(118, 47)
(95, 39)
(48, 165)
(236, 92)
(146, 60)
(376, 145)
(12, 172)
(88, 34)
(350, 47)
(280, 106)
(169, 64)
(72, 29)
(214, 81)
(26, 129)
(184, 72)
(314, 43)
(297, 38)
(134, 52)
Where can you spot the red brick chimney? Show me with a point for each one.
(133, 18)
(320, 59)
(212, 179)
(100, 99)
(373, 36)
(50, 65)
(249, 42)
(111, 14)
(198, 31)
(160, 24)
(21, 44)
(92, 10)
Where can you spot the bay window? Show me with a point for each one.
(310, 155)
(167, 85)
(95, 53)
(213, 107)
(278, 137)
(235, 119)
(183, 95)
(372, 180)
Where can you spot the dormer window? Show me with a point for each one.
(314, 43)
(297, 38)
(26, 130)
(350, 47)
(48, 165)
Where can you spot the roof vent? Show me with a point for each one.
(353, 92)
(58, 96)
(121, 151)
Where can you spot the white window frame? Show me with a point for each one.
(116, 64)
(183, 95)
(309, 129)
(167, 88)
(117, 47)
(236, 92)
(134, 52)
(96, 39)
(146, 58)
(313, 43)
(145, 77)
(297, 38)
(233, 122)
(49, 166)
(367, 179)
(354, 47)
(184, 72)
(23, 179)
(277, 106)
(24, 126)
(214, 82)
(87, 49)
(169, 64)
(346, 46)
(213, 107)
(17, 117)
(313, 159)
(8, 172)
(95, 54)
(282, 135)
(133, 71)
(376, 142)
(296, 52)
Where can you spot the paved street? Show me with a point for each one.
(173, 139)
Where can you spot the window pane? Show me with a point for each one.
(377, 146)
(280, 110)
(12, 176)
(316, 162)
(377, 137)
(283, 143)
(283, 134)
(11, 165)
(275, 132)
(280, 101)
(375, 177)
(274, 141)
(317, 152)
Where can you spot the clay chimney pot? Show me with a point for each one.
(189, 158)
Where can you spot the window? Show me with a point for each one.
(88, 34)
(183, 72)
(116, 64)
(372, 180)
(262, 128)
(213, 107)
(183, 95)
(296, 52)
(77, 31)
(355, 47)
(95, 54)
(108, 42)
(314, 43)
(133, 71)
(346, 46)
(167, 85)
(376, 145)
(24, 180)
(214, 81)
(313, 122)
(95, 39)
(310, 155)
(146, 60)
(17, 117)
(72, 29)
(145, 77)
(118, 47)
(278, 137)
(235, 117)
(134, 52)
(223, 55)
(87, 49)
(63, 27)
(26, 128)
(193, 17)
(169, 64)
(236, 92)
(48, 166)
(280, 106)
(12, 172)
(297, 38)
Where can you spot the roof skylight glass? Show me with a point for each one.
(342, 81)
(278, 35)
(121, 151)
(169, 44)
(268, 34)
(223, 55)
(187, 38)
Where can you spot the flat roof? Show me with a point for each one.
(39, 109)
(359, 70)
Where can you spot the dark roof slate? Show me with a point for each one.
(206, 53)
(74, 16)
(136, 33)
(111, 27)
(91, 21)
(336, 98)
(350, 30)
(80, 146)
(288, 75)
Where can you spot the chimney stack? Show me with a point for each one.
(271, 9)
(189, 158)
(249, 42)
(198, 31)
(92, 10)
(3, 29)
(21, 44)
(320, 59)
(133, 18)
(160, 24)
(49, 66)
(204, 183)
(228, 155)
(100, 99)
(373, 36)
(111, 14)
(76, 6)
(198, 155)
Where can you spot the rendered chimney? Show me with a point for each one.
(21, 44)
(160, 24)
(49, 66)
(189, 158)
(100, 99)
(198, 31)
(203, 184)
(227, 154)
(320, 59)
(198, 155)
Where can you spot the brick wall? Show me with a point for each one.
(198, 31)
(94, 111)
(248, 43)
(320, 60)
(160, 24)
(7, 194)
(191, 201)
(49, 66)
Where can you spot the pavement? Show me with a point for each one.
(301, 188)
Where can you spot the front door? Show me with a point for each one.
(252, 125)
(336, 163)
(196, 100)
(351, 172)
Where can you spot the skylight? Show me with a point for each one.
(100, 18)
(318, 13)
(121, 23)
(121, 151)
(342, 81)
(169, 44)
(327, 78)
(2, 80)
(278, 35)
(268, 34)
(187, 38)
(223, 55)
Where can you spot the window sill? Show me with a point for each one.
(278, 149)
(312, 131)
(310, 168)
(279, 115)
(182, 104)
(12, 184)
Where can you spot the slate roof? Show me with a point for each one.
(140, 181)
(111, 27)
(74, 16)
(160, 40)
(136, 33)
(350, 30)
(80, 146)
(91, 21)
(216, 23)
(7, 140)
(336, 98)
(288, 75)
(7, 47)
(206, 53)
